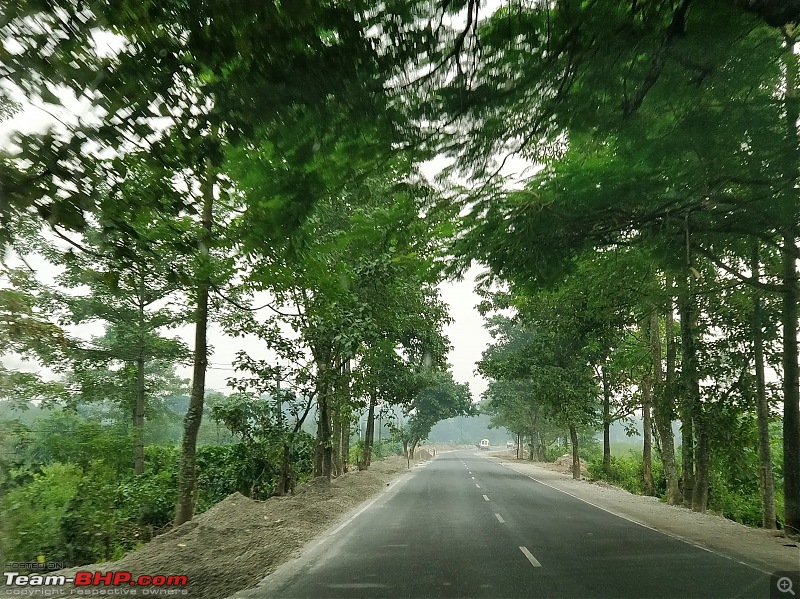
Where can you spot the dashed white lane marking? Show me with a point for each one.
(473, 478)
(477, 485)
(534, 562)
(642, 524)
(500, 518)
(486, 498)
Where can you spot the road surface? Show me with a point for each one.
(464, 526)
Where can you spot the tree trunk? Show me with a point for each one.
(765, 477)
(366, 459)
(791, 385)
(336, 449)
(319, 448)
(691, 386)
(541, 449)
(324, 437)
(789, 251)
(519, 446)
(687, 455)
(347, 420)
(606, 423)
(346, 427)
(187, 473)
(285, 477)
(341, 421)
(647, 430)
(663, 405)
(694, 410)
(647, 434)
(138, 417)
(669, 325)
(700, 495)
(576, 460)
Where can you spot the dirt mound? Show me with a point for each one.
(239, 541)
(564, 464)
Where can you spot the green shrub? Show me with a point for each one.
(34, 515)
(741, 506)
(626, 472)
(386, 448)
(589, 449)
(149, 501)
(101, 511)
(356, 452)
(89, 525)
(70, 439)
(553, 452)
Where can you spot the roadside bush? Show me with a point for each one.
(381, 450)
(148, 501)
(96, 510)
(589, 450)
(89, 526)
(386, 448)
(741, 506)
(553, 452)
(70, 439)
(626, 472)
(356, 452)
(33, 515)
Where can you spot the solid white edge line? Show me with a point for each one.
(534, 562)
(500, 519)
(666, 534)
(397, 482)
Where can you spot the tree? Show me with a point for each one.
(634, 155)
(129, 290)
(539, 348)
(439, 398)
(513, 405)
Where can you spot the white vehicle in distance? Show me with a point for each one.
(484, 444)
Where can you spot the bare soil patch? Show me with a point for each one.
(763, 549)
(239, 541)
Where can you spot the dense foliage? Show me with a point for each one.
(264, 167)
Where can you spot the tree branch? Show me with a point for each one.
(771, 287)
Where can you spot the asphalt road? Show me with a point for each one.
(464, 526)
